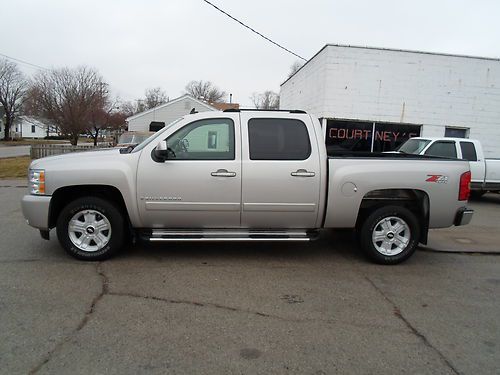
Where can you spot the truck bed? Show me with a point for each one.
(351, 177)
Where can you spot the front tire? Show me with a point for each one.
(390, 235)
(91, 228)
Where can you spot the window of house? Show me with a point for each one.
(278, 139)
(456, 132)
(32, 128)
(209, 139)
(442, 149)
(468, 151)
(154, 126)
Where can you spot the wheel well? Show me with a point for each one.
(62, 196)
(416, 201)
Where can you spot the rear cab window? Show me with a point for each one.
(278, 139)
(468, 151)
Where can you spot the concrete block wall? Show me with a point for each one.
(432, 90)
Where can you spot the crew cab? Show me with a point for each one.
(243, 175)
(485, 172)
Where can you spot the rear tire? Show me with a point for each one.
(390, 235)
(477, 194)
(91, 228)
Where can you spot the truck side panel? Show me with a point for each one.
(492, 179)
(350, 179)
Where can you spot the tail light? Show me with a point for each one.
(464, 191)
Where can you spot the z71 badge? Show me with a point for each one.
(437, 178)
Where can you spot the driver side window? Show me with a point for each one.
(209, 139)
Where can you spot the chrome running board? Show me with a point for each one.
(160, 235)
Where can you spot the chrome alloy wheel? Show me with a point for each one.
(391, 236)
(89, 230)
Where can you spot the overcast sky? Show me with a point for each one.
(140, 44)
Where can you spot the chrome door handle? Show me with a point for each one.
(223, 173)
(303, 173)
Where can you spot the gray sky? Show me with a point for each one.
(140, 44)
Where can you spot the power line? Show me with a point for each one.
(24, 62)
(255, 31)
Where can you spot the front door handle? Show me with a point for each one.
(223, 173)
(303, 173)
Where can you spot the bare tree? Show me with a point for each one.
(100, 117)
(69, 98)
(294, 67)
(205, 90)
(13, 87)
(266, 100)
(155, 97)
(152, 98)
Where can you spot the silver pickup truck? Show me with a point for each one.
(243, 176)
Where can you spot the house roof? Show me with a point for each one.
(170, 103)
(390, 49)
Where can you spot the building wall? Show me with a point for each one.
(166, 114)
(432, 90)
(23, 128)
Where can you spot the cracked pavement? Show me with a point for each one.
(316, 308)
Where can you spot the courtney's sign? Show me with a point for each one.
(366, 136)
(386, 136)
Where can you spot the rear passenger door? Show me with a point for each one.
(280, 171)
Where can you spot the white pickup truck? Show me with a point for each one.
(485, 172)
(243, 176)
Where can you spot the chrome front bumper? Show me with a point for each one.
(36, 210)
(464, 216)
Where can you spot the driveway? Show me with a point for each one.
(13, 151)
(318, 308)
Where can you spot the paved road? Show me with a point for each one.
(12, 151)
(245, 308)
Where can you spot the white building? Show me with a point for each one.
(156, 118)
(29, 127)
(371, 99)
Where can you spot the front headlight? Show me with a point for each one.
(36, 181)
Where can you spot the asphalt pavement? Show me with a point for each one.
(317, 308)
(14, 151)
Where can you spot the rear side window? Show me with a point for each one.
(278, 139)
(443, 149)
(468, 151)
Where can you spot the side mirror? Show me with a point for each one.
(160, 152)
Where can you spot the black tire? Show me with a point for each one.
(102, 207)
(477, 194)
(371, 223)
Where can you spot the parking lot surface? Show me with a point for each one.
(315, 308)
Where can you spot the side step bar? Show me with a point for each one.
(157, 235)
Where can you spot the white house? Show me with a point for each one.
(29, 127)
(156, 118)
(372, 99)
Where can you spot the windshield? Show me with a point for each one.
(413, 146)
(125, 138)
(143, 144)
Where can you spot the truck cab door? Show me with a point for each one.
(477, 165)
(281, 171)
(199, 184)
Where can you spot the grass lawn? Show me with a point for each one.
(14, 167)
